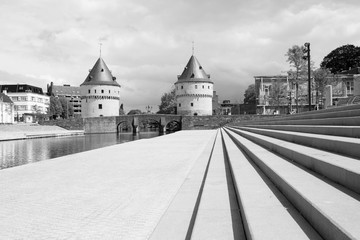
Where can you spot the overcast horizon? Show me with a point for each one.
(147, 43)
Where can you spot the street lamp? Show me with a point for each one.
(307, 50)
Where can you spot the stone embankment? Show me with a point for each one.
(296, 177)
(27, 131)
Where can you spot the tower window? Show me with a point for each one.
(89, 91)
(179, 104)
(102, 90)
(192, 75)
(195, 86)
(109, 91)
(102, 69)
(100, 106)
(182, 87)
(192, 104)
(203, 86)
(95, 90)
(208, 87)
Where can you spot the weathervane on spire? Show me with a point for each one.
(193, 47)
(100, 44)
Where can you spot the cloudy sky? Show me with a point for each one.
(147, 43)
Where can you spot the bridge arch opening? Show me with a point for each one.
(173, 126)
(123, 126)
(149, 125)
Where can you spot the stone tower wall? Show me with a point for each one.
(194, 98)
(94, 95)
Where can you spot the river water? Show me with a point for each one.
(19, 152)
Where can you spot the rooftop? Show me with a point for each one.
(193, 72)
(100, 75)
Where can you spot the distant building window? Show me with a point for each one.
(179, 104)
(208, 87)
(203, 86)
(182, 87)
(192, 104)
(349, 87)
(195, 86)
(95, 90)
(109, 91)
(100, 106)
(102, 90)
(89, 90)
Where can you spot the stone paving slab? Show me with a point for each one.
(117, 192)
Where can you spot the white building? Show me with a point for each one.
(194, 90)
(100, 93)
(6, 109)
(28, 100)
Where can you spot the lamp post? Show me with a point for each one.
(307, 50)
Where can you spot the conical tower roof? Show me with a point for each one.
(100, 75)
(194, 72)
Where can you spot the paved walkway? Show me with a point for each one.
(117, 192)
(22, 131)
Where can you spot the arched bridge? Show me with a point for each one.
(131, 122)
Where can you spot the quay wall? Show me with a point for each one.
(110, 124)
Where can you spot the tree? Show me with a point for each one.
(249, 95)
(342, 58)
(278, 94)
(121, 110)
(134, 112)
(299, 72)
(67, 108)
(323, 77)
(168, 103)
(55, 109)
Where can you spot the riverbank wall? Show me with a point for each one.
(29, 131)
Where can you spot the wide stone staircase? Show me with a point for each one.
(291, 177)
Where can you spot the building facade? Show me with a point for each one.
(6, 109)
(347, 87)
(278, 95)
(100, 93)
(71, 93)
(29, 101)
(194, 90)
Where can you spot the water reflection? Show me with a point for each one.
(19, 152)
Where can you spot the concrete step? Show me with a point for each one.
(317, 115)
(332, 210)
(341, 121)
(265, 212)
(337, 168)
(178, 220)
(218, 216)
(343, 131)
(333, 109)
(341, 145)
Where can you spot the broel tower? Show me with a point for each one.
(100, 93)
(194, 90)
